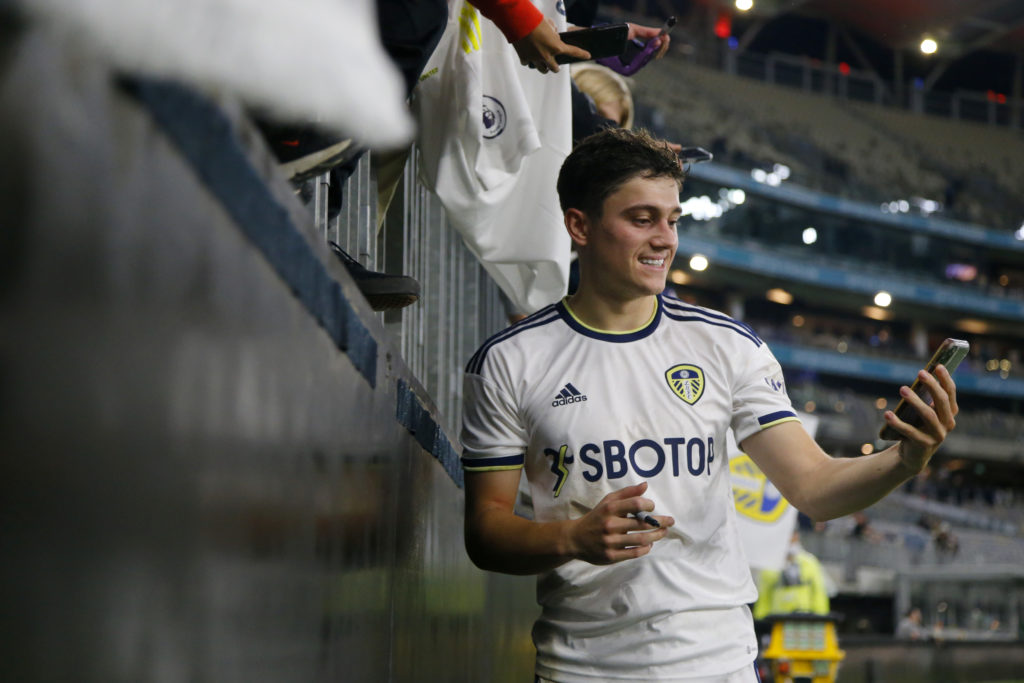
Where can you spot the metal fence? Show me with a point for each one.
(865, 86)
(459, 306)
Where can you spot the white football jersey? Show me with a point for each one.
(587, 412)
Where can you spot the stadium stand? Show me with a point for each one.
(984, 160)
(826, 147)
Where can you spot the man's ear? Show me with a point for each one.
(578, 226)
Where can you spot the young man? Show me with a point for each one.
(616, 401)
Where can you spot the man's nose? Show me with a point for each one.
(666, 235)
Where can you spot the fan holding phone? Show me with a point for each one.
(544, 49)
(638, 52)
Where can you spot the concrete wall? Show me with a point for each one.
(214, 466)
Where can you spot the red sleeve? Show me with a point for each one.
(515, 18)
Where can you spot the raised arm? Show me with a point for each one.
(534, 37)
(499, 540)
(823, 487)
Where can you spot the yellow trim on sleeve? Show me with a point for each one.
(496, 468)
(780, 421)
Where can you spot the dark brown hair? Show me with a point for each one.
(606, 160)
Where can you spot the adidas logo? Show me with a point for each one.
(568, 394)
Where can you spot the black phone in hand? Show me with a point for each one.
(600, 42)
(949, 354)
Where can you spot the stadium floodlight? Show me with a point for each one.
(810, 235)
(883, 299)
(698, 262)
(679, 277)
(744, 5)
(876, 313)
(929, 46)
(737, 196)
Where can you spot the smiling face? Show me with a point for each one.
(625, 253)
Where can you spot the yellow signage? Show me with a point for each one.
(757, 499)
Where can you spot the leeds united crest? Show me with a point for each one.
(686, 382)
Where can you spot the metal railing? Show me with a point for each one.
(459, 306)
(864, 86)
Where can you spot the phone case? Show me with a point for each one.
(600, 42)
(949, 354)
(638, 53)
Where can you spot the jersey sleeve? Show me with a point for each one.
(515, 18)
(493, 437)
(760, 400)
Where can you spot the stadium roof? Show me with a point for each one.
(980, 42)
(964, 26)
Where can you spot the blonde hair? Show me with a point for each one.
(604, 85)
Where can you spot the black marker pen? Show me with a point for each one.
(647, 518)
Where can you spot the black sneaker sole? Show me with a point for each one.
(382, 291)
(390, 302)
(389, 291)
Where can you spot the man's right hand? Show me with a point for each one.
(919, 443)
(539, 48)
(602, 535)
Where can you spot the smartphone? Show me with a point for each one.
(600, 41)
(635, 47)
(949, 353)
(695, 155)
